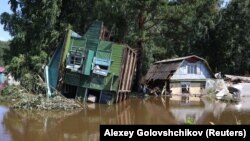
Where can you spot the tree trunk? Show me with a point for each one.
(140, 52)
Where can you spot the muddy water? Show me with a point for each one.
(18, 125)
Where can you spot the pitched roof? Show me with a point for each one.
(180, 59)
(161, 71)
(164, 69)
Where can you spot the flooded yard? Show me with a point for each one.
(19, 125)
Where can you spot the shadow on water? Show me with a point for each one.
(19, 125)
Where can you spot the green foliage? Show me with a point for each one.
(34, 26)
(231, 39)
(11, 90)
(157, 29)
(189, 121)
(32, 83)
(4, 47)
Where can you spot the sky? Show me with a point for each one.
(5, 7)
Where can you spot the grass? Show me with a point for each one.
(189, 121)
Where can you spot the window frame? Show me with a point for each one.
(187, 86)
(192, 69)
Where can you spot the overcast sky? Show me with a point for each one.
(5, 7)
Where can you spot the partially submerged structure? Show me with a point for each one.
(91, 67)
(179, 76)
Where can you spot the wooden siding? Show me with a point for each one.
(129, 60)
(121, 64)
(195, 91)
(176, 88)
(117, 52)
(195, 88)
(182, 72)
(111, 81)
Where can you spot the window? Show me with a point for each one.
(192, 69)
(74, 61)
(101, 66)
(185, 86)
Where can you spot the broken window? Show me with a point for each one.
(76, 54)
(101, 66)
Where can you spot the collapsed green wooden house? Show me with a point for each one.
(91, 67)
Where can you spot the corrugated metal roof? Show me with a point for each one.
(104, 50)
(94, 30)
(92, 44)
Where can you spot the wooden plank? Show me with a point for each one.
(125, 72)
(125, 96)
(120, 98)
(133, 68)
(129, 69)
(124, 91)
(130, 75)
(85, 95)
(117, 97)
(100, 96)
(122, 69)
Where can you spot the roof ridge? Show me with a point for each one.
(179, 59)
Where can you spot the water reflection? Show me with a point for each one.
(2, 80)
(3, 133)
(84, 125)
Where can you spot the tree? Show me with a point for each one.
(231, 38)
(4, 47)
(34, 27)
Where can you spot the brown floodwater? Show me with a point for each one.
(20, 125)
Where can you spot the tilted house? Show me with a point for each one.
(185, 75)
(91, 67)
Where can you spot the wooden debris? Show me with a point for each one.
(237, 78)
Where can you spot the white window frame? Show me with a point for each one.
(192, 69)
(76, 64)
(187, 86)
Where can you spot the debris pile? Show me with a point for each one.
(221, 91)
(17, 98)
(41, 103)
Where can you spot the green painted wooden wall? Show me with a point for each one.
(100, 49)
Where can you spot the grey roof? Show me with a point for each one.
(179, 59)
(161, 70)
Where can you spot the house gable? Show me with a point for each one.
(189, 70)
